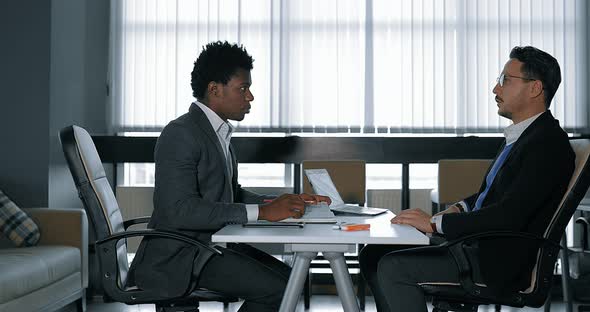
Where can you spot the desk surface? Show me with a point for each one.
(381, 232)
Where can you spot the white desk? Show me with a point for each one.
(306, 242)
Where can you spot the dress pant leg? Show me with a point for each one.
(399, 276)
(368, 260)
(271, 262)
(247, 273)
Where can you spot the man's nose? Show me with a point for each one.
(496, 88)
(249, 96)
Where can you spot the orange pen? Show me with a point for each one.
(353, 227)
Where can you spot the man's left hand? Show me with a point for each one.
(414, 217)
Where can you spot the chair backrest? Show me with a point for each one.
(576, 190)
(546, 257)
(94, 189)
(460, 178)
(349, 177)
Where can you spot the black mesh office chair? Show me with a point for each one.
(468, 295)
(110, 231)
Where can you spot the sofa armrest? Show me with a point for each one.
(67, 227)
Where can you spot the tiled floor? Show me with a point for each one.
(319, 303)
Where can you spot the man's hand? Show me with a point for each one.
(283, 207)
(313, 199)
(414, 217)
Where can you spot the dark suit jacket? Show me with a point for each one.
(193, 194)
(523, 197)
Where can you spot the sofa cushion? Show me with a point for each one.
(16, 224)
(25, 270)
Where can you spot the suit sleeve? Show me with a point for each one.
(178, 197)
(245, 196)
(540, 171)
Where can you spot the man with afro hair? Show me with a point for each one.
(196, 192)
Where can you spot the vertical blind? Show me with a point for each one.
(374, 66)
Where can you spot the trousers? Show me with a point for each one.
(248, 273)
(394, 278)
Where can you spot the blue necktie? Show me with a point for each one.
(492, 174)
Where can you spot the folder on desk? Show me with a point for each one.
(322, 185)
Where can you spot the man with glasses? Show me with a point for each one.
(521, 191)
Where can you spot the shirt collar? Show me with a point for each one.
(514, 131)
(215, 120)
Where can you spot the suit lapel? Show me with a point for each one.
(203, 122)
(540, 123)
(234, 165)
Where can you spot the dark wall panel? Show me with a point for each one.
(24, 104)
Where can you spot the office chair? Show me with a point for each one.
(110, 231)
(349, 177)
(468, 295)
(457, 179)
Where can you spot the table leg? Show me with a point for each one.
(296, 280)
(343, 281)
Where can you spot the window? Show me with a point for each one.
(374, 66)
(394, 66)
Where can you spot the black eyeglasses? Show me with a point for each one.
(500, 79)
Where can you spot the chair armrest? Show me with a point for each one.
(503, 234)
(111, 241)
(109, 269)
(457, 250)
(140, 220)
(67, 227)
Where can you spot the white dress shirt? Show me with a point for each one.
(224, 130)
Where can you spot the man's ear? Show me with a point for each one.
(213, 89)
(536, 88)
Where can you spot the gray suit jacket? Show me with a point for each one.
(194, 195)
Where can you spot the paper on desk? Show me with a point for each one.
(319, 213)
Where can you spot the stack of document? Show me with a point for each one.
(319, 213)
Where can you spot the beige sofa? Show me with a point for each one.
(52, 274)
